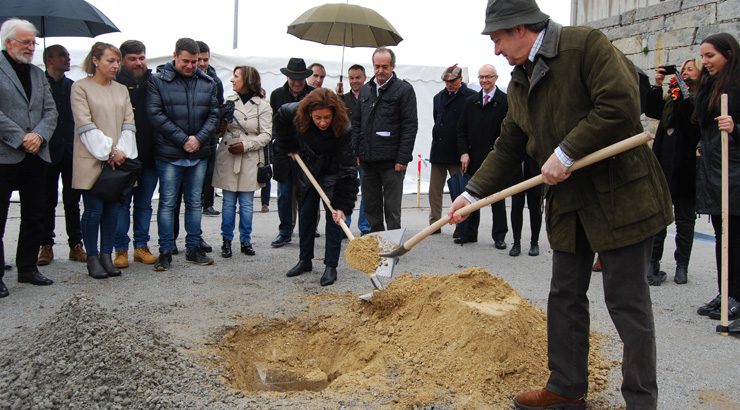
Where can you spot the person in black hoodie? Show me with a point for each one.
(134, 75)
(318, 129)
(675, 147)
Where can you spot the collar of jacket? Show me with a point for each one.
(254, 100)
(168, 73)
(548, 49)
(385, 86)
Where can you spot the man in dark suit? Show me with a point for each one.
(479, 126)
(56, 58)
(28, 117)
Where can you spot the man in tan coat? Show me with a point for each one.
(564, 105)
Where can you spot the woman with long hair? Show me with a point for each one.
(104, 133)
(238, 155)
(675, 148)
(318, 129)
(720, 56)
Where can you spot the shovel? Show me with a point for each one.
(597, 156)
(373, 276)
(723, 327)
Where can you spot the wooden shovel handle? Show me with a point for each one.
(725, 244)
(592, 158)
(321, 192)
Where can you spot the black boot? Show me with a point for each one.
(107, 263)
(247, 249)
(226, 249)
(516, 249)
(329, 276)
(94, 268)
(654, 276)
(682, 273)
(299, 268)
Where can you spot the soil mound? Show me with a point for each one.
(465, 340)
(85, 357)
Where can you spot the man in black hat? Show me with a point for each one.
(282, 166)
(572, 93)
(447, 107)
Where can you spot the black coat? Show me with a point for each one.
(62, 141)
(384, 127)
(330, 159)
(447, 111)
(181, 106)
(137, 91)
(675, 142)
(480, 126)
(282, 166)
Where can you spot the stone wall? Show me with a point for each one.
(669, 32)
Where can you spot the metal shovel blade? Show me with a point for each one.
(387, 263)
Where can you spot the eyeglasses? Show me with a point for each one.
(26, 43)
(486, 77)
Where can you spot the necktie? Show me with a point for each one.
(485, 99)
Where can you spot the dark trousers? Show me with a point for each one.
(209, 193)
(382, 190)
(533, 197)
(308, 208)
(70, 199)
(499, 228)
(27, 177)
(685, 213)
(733, 268)
(627, 298)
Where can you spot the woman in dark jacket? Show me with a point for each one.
(318, 129)
(675, 148)
(720, 56)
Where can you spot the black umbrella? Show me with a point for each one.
(59, 18)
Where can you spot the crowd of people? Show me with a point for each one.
(176, 128)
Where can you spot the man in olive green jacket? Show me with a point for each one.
(572, 93)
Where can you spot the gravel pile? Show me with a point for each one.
(85, 357)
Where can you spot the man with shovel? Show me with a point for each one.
(572, 93)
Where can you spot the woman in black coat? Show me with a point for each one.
(720, 54)
(318, 129)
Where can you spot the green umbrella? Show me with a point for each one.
(343, 25)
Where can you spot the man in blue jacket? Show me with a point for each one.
(184, 112)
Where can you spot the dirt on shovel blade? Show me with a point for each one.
(362, 254)
(465, 340)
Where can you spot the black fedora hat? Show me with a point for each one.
(505, 14)
(296, 69)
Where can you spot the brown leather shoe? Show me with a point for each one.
(77, 253)
(597, 264)
(542, 399)
(143, 255)
(121, 260)
(46, 255)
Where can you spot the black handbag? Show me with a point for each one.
(114, 185)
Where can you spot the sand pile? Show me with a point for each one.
(466, 340)
(84, 357)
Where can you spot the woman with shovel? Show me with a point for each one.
(318, 130)
(720, 55)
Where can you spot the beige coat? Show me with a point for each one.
(106, 108)
(238, 173)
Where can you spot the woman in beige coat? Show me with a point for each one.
(104, 132)
(238, 155)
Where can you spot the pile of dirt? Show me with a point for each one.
(85, 357)
(465, 340)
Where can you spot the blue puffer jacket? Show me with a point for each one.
(181, 106)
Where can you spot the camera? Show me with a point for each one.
(669, 69)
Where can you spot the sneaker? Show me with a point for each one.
(46, 255)
(265, 208)
(163, 262)
(209, 211)
(121, 260)
(143, 255)
(198, 257)
(77, 253)
(733, 310)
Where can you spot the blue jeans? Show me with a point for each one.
(228, 215)
(285, 211)
(142, 198)
(170, 178)
(307, 221)
(99, 216)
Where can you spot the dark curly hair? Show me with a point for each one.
(316, 100)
